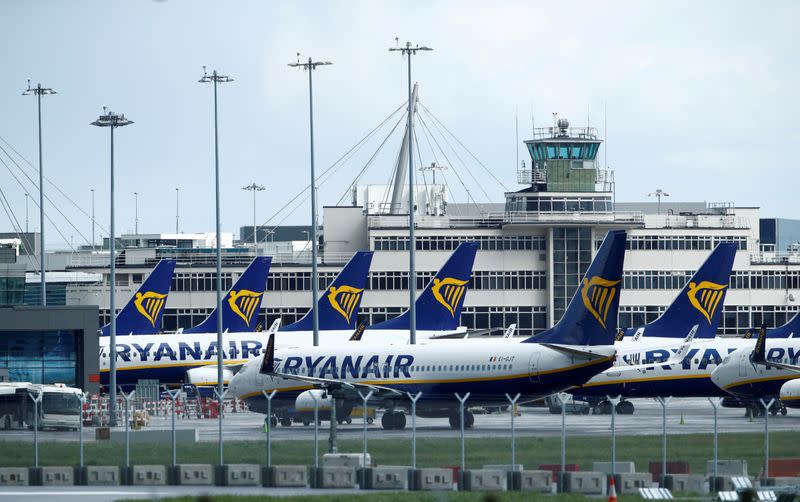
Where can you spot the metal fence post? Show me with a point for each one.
(714, 405)
(414, 400)
(614, 402)
(126, 398)
(461, 401)
(365, 398)
(663, 401)
(766, 406)
(221, 400)
(173, 395)
(513, 402)
(36, 401)
(316, 430)
(563, 398)
(80, 429)
(269, 397)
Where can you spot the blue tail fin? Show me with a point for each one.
(439, 306)
(142, 314)
(338, 306)
(788, 330)
(700, 302)
(241, 305)
(591, 316)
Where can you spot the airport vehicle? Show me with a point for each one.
(568, 354)
(143, 312)
(696, 311)
(60, 407)
(762, 370)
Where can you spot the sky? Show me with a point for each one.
(699, 99)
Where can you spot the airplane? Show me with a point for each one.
(577, 347)
(759, 372)
(241, 305)
(697, 310)
(143, 313)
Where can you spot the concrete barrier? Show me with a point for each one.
(433, 479)
(387, 477)
(689, 483)
(727, 467)
(56, 476)
(156, 436)
(102, 475)
(148, 475)
(536, 481)
(484, 480)
(630, 482)
(503, 467)
(194, 474)
(288, 476)
(242, 475)
(621, 467)
(334, 477)
(587, 483)
(786, 481)
(352, 460)
(14, 476)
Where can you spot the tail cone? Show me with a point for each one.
(612, 490)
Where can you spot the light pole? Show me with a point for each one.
(112, 121)
(658, 194)
(26, 213)
(92, 190)
(136, 213)
(177, 208)
(40, 91)
(412, 242)
(254, 188)
(310, 66)
(216, 79)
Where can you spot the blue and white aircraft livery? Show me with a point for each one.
(337, 307)
(143, 313)
(579, 346)
(241, 305)
(186, 357)
(697, 310)
(766, 370)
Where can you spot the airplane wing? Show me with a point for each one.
(676, 358)
(570, 351)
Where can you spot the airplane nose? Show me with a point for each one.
(718, 376)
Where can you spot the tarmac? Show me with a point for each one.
(684, 416)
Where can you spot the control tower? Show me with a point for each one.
(568, 197)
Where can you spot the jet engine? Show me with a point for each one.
(205, 376)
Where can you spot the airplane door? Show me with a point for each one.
(534, 369)
(744, 364)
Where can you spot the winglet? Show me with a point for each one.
(358, 333)
(268, 361)
(759, 354)
(276, 324)
(510, 331)
(683, 350)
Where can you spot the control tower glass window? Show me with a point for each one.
(572, 254)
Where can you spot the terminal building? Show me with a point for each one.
(534, 247)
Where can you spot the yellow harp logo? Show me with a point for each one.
(244, 303)
(598, 294)
(706, 297)
(344, 300)
(149, 304)
(448, 292)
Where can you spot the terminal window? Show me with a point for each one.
(40, 356)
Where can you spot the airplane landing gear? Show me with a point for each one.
(286, 422)
(455, 420)
(625, 408)
(393, 420)
(602, 408)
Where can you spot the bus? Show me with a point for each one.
(60, 407)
